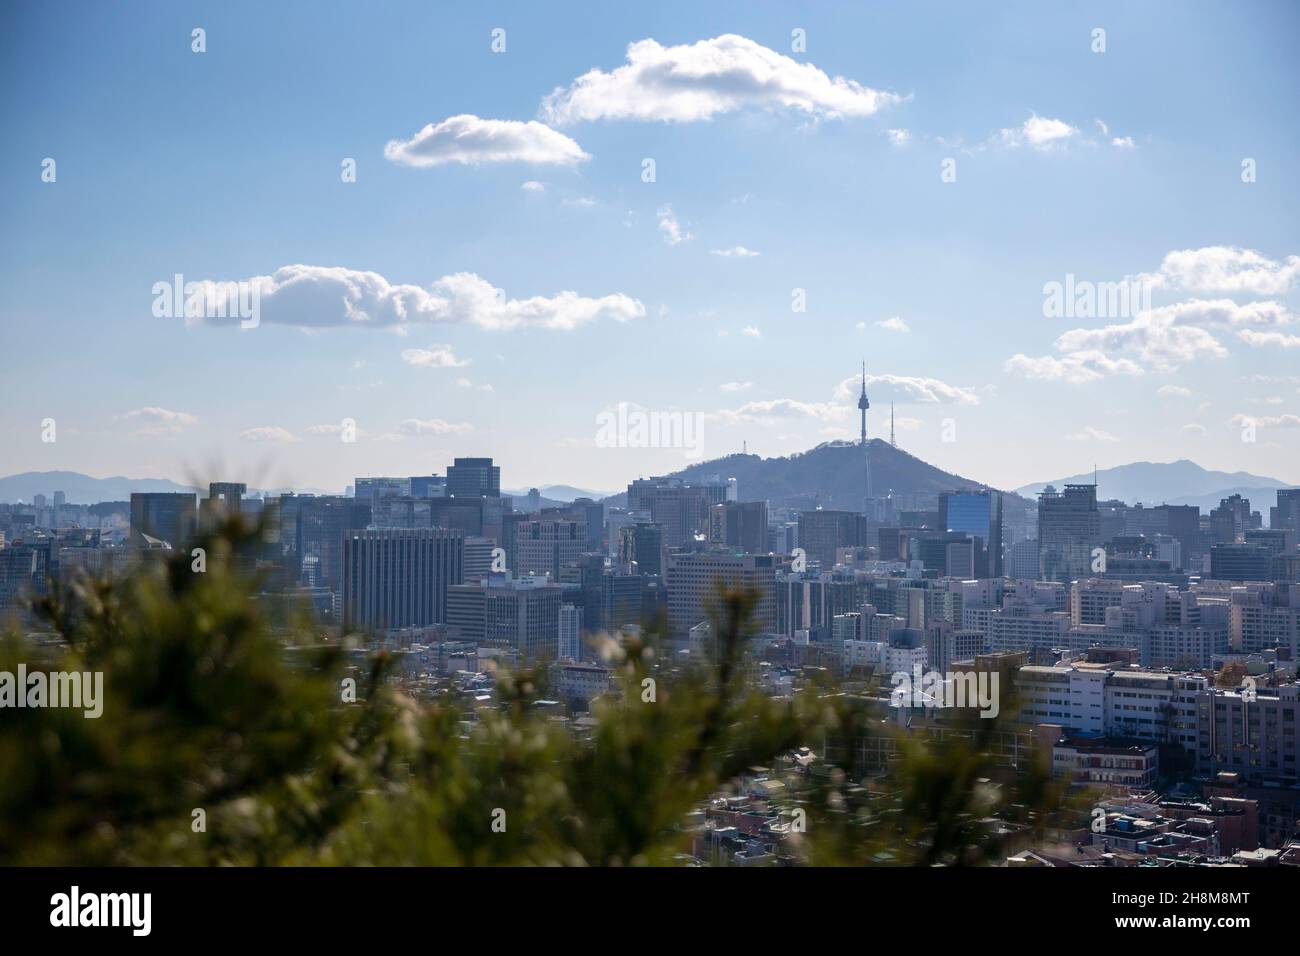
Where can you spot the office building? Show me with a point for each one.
(977, 514)
(693, 580)
(1069, 528)
(395, 578)
(163, 516)
(474, 478)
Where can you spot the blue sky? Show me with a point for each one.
(225, 166)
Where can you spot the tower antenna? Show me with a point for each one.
(863, 405)
(892, 440)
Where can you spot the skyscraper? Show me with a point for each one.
(823, 532)
(395, 577)
(693, 580)
(682, 510)
(322, 523)
(977, 514)
(166, 516)
(474, 478)
(739, 524)
(570, 632)
(544, 545)
(642, 543)
(1069, 527)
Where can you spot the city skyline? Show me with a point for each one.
(509, 276)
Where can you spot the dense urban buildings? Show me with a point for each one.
(1145, 643)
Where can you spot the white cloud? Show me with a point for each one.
(163, 416)
(269, 434)
(421, 427)
(1226, 269)
(894, 324)
(1123, 142)
(736, 252)
(1173, 391)
(777, 409)
(906, 388)
(1039, 132)
(533, 186)
(670, 227)
(470, 141)
(1091, 433)
(160, 422)
(435, 356)
(734, 386)
(1191, 428)
(899, 137)
(1269, 339)
(1170, 335)
(1268, 421)
(323, 296)
(581, 202)
(698, 81)
(751, 332)
(1074, 369)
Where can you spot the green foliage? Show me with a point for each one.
(207, 708)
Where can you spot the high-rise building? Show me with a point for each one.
(544, 545)
(474, 478)
(977, 514)
(521, 614)
(1284, 516)
(1069, 528)
(693, 579)
(478, 558)
(739, 524)
(370, 490)
(1241, 562)
(394, 577)
(642, 544)
(224, 498)
(682, 510)
(593, 513)
(428, 486)
(823, 532)
(1232, 519)
(163, 516)
(570, 632)
(322, 523)
(1024, 560)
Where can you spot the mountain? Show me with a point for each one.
(1180, 482)
(86, 490)
(829, 475)
(559, 493)
(80, 489)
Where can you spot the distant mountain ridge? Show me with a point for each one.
(82, 489)
(559, 493)
(831, 474)
(1181, 482)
